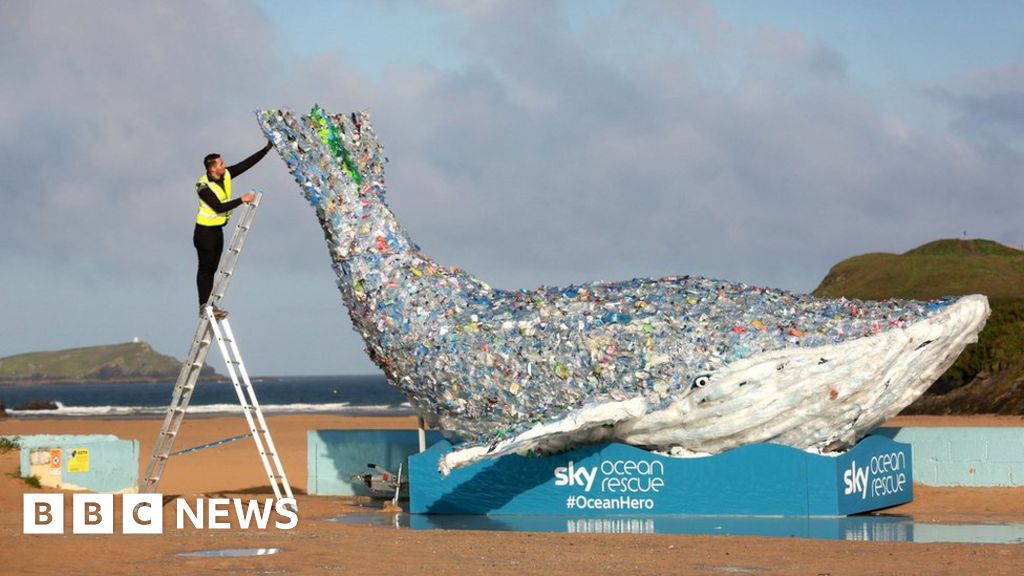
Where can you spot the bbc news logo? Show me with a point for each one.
(144, 513)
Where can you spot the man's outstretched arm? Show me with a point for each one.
(237, 169)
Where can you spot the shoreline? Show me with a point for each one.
(354, 413)
(28, 383)
(170, 379)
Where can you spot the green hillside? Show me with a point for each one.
(989, 376)
(940, 268)
(134, 361)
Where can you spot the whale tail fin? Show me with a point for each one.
(332, 156)
(339, 166)
(360, 154)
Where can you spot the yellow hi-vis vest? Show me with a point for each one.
(207, 216)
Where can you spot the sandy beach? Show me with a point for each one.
(319, 546)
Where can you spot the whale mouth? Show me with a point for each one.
(820, 399)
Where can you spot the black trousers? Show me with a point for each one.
(209, 243)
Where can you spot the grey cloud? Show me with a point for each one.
(987, 108)
(824, 61)
(544, 160)
(769, 182)
(109, 110)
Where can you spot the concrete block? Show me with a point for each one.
(964, 456)
(335, 456)
(1009, 449)
(926, 473)
(994, 474)
(968, 448)
(928, 447)
(98, 462)
(1017, 473)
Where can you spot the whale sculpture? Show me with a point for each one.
(684, 365)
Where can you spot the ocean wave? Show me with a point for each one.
(206, 409)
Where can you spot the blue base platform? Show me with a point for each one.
(617, 479)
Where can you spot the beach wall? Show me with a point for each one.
(96, 462)
(975, 456)
(942, 456)
(335, 456)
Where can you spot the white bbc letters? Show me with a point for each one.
(142, 514)
(92, 514)
(219, 508)
(43, 514)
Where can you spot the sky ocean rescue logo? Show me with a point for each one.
(622, 479)
(883, 475)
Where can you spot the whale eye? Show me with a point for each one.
(701, 381)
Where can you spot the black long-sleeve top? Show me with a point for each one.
(210, 198)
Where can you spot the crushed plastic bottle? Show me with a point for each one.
(492, 364)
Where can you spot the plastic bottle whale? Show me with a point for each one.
(687, 365)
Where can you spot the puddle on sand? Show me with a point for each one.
(866, 528)
(230, 553)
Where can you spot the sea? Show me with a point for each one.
(368, 395)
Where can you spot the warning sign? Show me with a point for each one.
(55, 461)
(79, 461)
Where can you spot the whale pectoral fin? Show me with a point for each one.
(593, 423)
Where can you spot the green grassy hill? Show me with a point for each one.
(940, 268)
(989, 376)
(134, 361)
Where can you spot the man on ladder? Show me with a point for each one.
(213, 328)
(215, 205)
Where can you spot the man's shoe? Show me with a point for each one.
(218, 313)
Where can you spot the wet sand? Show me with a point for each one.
(317, 546)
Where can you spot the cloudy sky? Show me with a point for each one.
(531, 142)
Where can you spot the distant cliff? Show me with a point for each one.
(989, 376)
(128, 362)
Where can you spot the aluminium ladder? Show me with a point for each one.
(211, 328)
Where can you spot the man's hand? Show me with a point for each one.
(248, 197)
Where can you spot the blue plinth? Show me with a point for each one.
(616, 479)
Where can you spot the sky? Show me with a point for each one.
(530, 143)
